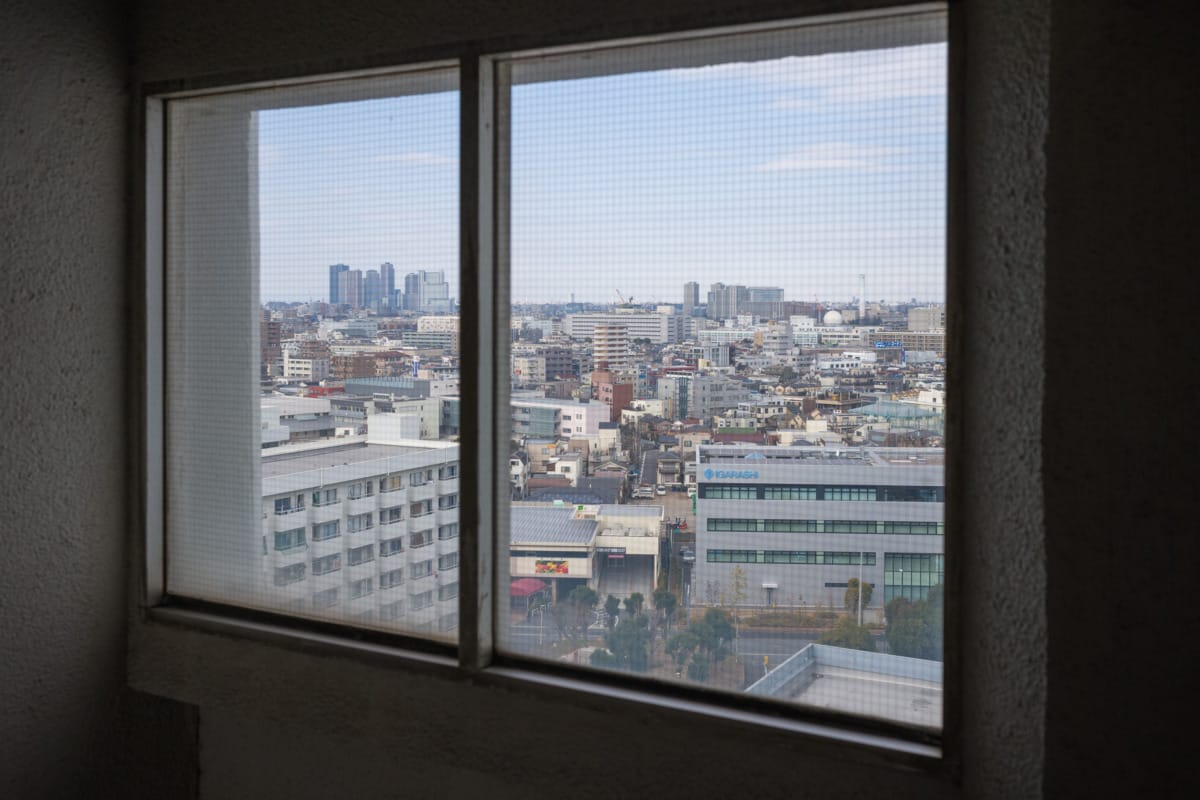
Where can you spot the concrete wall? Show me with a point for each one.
(68, 727)
(1078, 199)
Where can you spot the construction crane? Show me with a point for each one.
(624, 303)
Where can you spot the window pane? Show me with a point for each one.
(313, 348)
(728, 360)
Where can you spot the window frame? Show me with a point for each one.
(483, 221)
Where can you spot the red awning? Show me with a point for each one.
(523, 587)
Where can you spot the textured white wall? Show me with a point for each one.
(63, 107)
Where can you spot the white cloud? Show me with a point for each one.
(864, 76)
(418, 159)
(834, 155)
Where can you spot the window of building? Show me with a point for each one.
(326, 530)
(326, 564)
(448, 531)
(391, 547)
(393, 577)
(360, 555)
(390, 516)
(290, 540)
(418, 539)
(289, 574)
(420, 569)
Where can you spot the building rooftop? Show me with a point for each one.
(337, 463)
(897, 688)
(550, 525)
(828, 455)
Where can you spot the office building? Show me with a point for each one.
(387, 275)
(800, 521)
(427, 292)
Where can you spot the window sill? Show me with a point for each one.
(205, 657)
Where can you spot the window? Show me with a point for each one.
(361, 588)
(360, 522)
(326, 530)
(391, 578)
(289, 574)
(677, 160)
(360, 555)
(290, 540)
(448, 592)
(326, 564)
(324, 497)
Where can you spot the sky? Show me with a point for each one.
(796, 172)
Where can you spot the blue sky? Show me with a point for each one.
(797, 172)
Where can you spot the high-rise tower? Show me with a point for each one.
(336, 270)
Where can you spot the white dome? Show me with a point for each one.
(833, 318)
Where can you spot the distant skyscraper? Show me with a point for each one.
(335, 271)
(691, 297)
(387, 274)
(427, 292)
(350, 288)
(372, 290)
(764, 294)
(724, 301)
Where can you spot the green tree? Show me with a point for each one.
(580, 603)
(665, 602)
(634, 603)
(627, 642)
(851, 596)
(915, 629)
(612, 607)
(712, 635)
(848, 633)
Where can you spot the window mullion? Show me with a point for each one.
(484, 311)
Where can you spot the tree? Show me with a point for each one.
(612, 607)
(851, 597)
(578, 611)
(665, 602)
(634, 603)
(848, 633)
(627, 642)
(915, 629)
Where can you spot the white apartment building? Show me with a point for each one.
(305, 369)
(610, 347)
(365, 532)
(658, 328)
(438, 324)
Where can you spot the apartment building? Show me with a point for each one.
(364, 532)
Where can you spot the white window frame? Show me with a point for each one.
(484, 389)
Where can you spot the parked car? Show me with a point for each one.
(660, 490)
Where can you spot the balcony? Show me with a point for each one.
(426, 491)
(361, 505)
(325, 513)
(285, 512)
(287, 556)
(355, 572)
(318, 548)
(448, 486)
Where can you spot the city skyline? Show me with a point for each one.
(798, 172)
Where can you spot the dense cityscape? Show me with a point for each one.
(736, 489)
